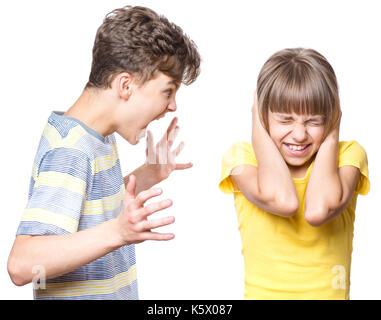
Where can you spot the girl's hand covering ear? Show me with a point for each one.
(335, 132)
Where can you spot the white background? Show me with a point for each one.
(45, 59)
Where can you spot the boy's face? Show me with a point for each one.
(297, 137)
(148, 102)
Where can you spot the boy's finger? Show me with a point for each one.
(167, 133)
(150, 150)
(172, 125)
(147, 225)
(179, 148)
(145, 195)
(172, 136)
(182, 166)
(155, 207)
(130, 189)
(157, 236)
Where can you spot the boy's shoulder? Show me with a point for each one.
(66, 132)
(66, 139)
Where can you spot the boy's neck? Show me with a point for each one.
(94, 108)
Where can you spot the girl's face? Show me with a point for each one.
(297, 137)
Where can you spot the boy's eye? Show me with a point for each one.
(169, 92)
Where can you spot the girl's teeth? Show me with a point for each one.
(296, 148)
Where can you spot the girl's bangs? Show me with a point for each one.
(299, 97)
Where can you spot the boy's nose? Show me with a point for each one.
(172, 106)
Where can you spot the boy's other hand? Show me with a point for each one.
(132, 223)
(160, 160)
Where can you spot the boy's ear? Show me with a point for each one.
(124, 84)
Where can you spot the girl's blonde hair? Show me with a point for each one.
(301, 81)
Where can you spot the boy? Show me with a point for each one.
(83, 218)
(296, 186)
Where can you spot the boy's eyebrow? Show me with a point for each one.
(174, 82)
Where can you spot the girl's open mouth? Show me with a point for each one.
(297, 150)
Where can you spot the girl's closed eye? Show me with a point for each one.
(285, 120)
(315, 122)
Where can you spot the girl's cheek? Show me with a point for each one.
(317, 134)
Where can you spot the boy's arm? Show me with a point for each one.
(160, 160)
(269, 186)
(60, 254)
(330, 189)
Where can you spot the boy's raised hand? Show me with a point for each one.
(133, 224)
(160, 159)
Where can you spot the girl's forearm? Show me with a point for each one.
(324, 188)
(274, 179)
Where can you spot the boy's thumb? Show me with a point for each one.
(131, 185)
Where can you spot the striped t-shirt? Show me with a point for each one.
(76, 184)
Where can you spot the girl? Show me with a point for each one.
(295, 186)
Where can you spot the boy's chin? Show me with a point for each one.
(140, 135)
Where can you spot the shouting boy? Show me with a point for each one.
(83, 218)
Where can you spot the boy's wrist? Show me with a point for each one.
(153, 173)
(115, 235)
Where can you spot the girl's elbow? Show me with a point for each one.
(316, 218)
(287, 207)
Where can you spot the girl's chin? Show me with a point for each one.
(297, 162)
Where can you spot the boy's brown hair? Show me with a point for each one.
(301, 81)
(139, 41)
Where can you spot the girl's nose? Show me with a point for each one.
(299, 132)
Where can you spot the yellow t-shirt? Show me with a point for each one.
(287, 258)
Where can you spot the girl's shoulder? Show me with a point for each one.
(350, 149)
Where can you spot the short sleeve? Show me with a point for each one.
(58, 193)
(353, 154)
(239, 154)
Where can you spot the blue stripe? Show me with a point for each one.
(57, 200)
(95, 148)
(106, 183)
(67, 160)
(100, 269)
(92, 220)
(38, 229)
